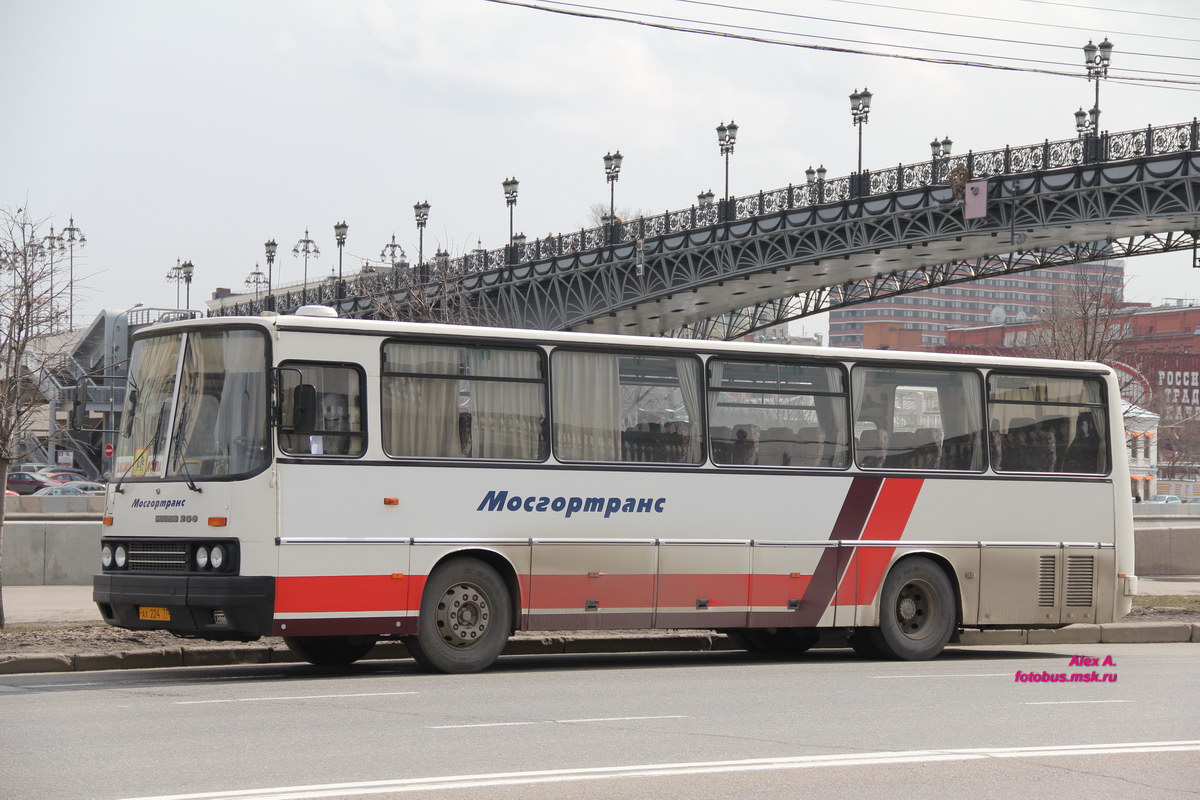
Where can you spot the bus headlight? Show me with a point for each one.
(202, 557)
(218, 556)
(119, 558)
(106, 556)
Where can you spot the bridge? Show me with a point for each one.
(726, 269)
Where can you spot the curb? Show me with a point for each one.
(1111, 633)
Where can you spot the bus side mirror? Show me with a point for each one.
(79, 412)
(305, 408)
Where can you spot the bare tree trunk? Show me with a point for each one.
(3, 510)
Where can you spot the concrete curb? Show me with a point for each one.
(1112, 633)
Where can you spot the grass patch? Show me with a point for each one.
(1190, 602)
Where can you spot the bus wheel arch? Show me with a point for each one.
(466, 616)
(919, 609)
(503, 566)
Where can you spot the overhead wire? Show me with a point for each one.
(1139, 12)
(594, 12)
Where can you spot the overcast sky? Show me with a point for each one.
(198, 130)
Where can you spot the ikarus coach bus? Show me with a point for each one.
(336, 482)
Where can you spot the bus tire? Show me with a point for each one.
(466, 618)
(329, 651)
(916, 611)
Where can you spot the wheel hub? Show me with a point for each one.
(463, 615)
(907, 609)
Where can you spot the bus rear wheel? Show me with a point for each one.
(774, 641)
(916, 611)
(466, 618)
(329, 651)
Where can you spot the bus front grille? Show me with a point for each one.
(158, 556)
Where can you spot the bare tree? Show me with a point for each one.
(30, 310)
(429, 293)
(1084, 323)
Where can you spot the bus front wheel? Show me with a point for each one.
(329, 651)
(466, 617)
(916, 611)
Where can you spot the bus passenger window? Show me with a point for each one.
(769, 414)
(334, 427)
(1047, 424)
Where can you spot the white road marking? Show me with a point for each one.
(293, 697)
(316, 791)
(963, 675)
(548, 722)
(1072, 702)
(56, 685)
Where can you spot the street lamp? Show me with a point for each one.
(255, 280)
(392, 253)
(705, 198)
(185, 271)
(53, 244)
(306, 247)
(1097, 60)
(612, 172)
(860, 109)
(271, 247)
(726, 138)
(339, 231)
(1087, 123)
(938, 150)
(175, 275)
(421, 211)
(74, 238)
(510, 197)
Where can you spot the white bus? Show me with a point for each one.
(338, 481)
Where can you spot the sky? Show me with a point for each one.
(199, 130)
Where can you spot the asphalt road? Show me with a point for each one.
(673, 725)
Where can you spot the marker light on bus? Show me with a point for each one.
(217, 559)
(106, 556)
(120, 556)
(201, 557)
(218, 522)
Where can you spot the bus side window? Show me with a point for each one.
(322, 410)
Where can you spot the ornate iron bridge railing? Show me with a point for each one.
(1007, 161)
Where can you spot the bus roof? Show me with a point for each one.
(314, 323)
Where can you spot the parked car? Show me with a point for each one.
(86, 487)
(58, 491)
(31, 467)
(65, 475)
(1164, 498)
(30, 482)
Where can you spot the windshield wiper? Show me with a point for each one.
(179, 442)
(150, 451)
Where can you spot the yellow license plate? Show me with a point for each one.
(157, 613)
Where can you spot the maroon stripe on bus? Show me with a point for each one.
(856, 508)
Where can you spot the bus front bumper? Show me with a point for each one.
(202, 606)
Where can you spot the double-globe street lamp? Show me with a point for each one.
(339, 233)
(421, 212)
(939, 150)
(270, 247)
(510, 198)
(612, 172)
(74, 238)
(860, 109)
(1096, 58)
(726, 138)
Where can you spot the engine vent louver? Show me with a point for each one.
(1046, 582)
(1081, 577)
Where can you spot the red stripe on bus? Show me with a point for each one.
(887, 523)
(683, 590)
(856, 507)
(573, 591)
(318, 593)
(777, 590)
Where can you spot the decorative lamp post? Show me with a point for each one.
(185, 271)
(53, 244)
(270, 247)
(1097, 60)
(175, 275)
(255, 280)
(421, 211)
(74, 238)
(726, 138)
(612, 172)
(339, 232)
(860, 109)
(306, 247)
(1087, 123)
(392, 253)
(510, 197)
(938, 150)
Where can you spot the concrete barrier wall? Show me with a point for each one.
(63, 548)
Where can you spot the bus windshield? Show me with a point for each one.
(196, 406)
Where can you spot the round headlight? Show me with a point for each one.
(120, 556)
(218, 556)
(106, 556)
(201, 557)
